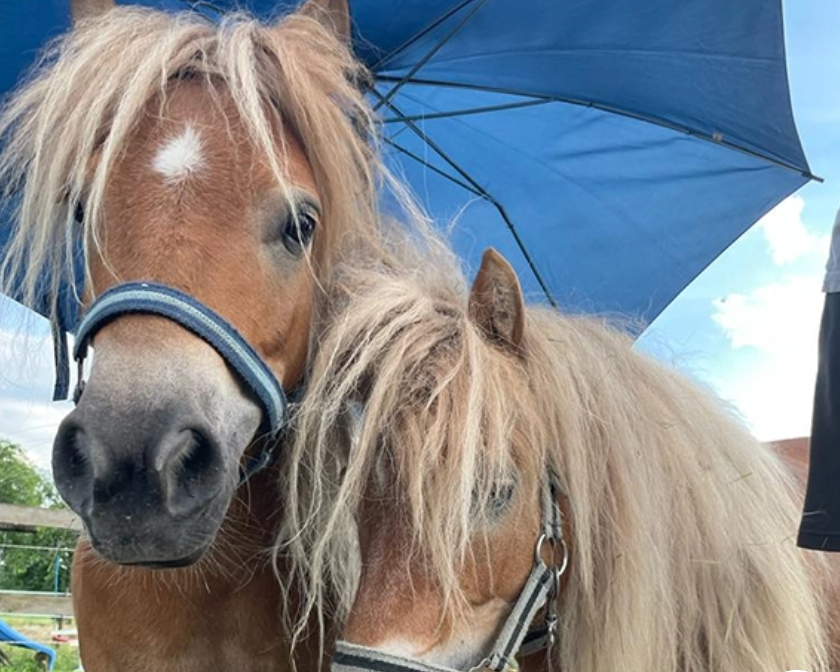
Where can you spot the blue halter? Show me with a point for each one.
(156, 299)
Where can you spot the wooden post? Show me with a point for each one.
(28, 519)
(39, 604)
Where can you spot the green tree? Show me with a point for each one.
(28, 559)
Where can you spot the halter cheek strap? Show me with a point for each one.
(541, 590)
(155, 299)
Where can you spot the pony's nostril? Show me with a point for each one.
(76, 457)
(197, 464)
(200, 455)
(72, 467)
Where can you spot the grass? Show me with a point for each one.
(23, 660)
(39, 630)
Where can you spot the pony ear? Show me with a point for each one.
(333, 14)
(87, 9)
(496, 304)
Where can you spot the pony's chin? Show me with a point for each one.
(153, 553)
(158, 539)
(156, 560)
(176, 563)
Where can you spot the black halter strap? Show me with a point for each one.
(161, 300)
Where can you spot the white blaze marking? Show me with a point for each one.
(181, 156)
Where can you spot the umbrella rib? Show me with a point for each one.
(469, 111)
(481, 192)
(196, 6)
(679, 128)
(434, 169)
(429, 55)
(425, 31)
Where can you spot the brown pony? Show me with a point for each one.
(433, 423)
(236, 163)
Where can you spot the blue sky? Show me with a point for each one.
(747, 327)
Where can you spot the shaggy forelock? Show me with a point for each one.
(432, 394)
(93, 86)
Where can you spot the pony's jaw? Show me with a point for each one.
(400, 608)
(464, 647)
(149, 459)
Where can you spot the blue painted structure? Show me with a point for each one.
(9, 635)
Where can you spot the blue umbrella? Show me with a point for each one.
(611, 149)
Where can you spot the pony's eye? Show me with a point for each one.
(497, 502)
(500, 498)
(298, 231)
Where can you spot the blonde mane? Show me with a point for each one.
(93, 86)
(682, 525)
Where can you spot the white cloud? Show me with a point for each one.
(778, 324)
(32, 425)
(27, 415)
(778, 319)
(786, 235)
(775, 328)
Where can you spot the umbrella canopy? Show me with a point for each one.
(611, 149)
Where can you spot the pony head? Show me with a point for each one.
(456, 502)
(232, 162)
(431, 424)
(452, 494)
(419, 419)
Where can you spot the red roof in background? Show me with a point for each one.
(795, 454)
(796, 449)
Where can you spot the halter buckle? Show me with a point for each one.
(80, 380)
(551, 621)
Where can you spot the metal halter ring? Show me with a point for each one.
(551, 617)
(564, 563)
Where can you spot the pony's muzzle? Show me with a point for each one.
(147, 494)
